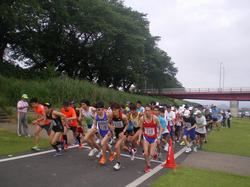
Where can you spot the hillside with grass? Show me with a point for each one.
(58, 89)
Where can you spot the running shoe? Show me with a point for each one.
(35, 148)
(112, 156)
(99, 154)
(147, 169)
(195, 149)
(132, 154)
(166, 147)
(66, 147)
(188, 150)
(98, 141)
(58, 153)
(102, 160)
(182, 143)
(93, 152)
(135, 150)
(117, 166)
(80, 146)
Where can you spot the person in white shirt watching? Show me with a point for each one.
(22, 109)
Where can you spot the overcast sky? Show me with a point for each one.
(199, 35)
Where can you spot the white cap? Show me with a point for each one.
(186, 113)
(197, 112)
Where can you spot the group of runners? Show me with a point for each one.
(126, 127)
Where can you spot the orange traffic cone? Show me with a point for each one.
(170, 162)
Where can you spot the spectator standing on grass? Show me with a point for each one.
(223, 121)
(228, 118)
(22, 110)
(215, 115)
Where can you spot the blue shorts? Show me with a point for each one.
(150, 140)
(103, 133)
(172, 130)
(190, 133)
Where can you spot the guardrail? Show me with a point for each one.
(197, 90)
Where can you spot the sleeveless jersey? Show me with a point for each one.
(117, 122)
(56, 121)
(134, 121)
(102, 124)
(88, 117)
(150, 129)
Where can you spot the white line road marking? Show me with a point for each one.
(32, 154)
(140, 158)
(52, 150)
(146, 176)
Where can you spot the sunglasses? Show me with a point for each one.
(99, 109)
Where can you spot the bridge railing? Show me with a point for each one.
(198, 90)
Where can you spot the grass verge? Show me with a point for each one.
(231, 141)
(199, 177)
(11, 144)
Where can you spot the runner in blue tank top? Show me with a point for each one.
(102, 122)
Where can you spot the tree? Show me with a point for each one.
(99, 40)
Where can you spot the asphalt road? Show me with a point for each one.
(73, 168)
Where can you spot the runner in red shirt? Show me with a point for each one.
(149, 124)
(41, 122)
(71, 124)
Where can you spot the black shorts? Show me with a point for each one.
(200, 134)
(46, 127)
(215, 119)
(118, 131)
(57, 127)
(177, 129)
(129, 133)
(136, 129)
(73, 129)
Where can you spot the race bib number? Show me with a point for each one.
(135, 123)
(150, 131)
(118, 124)
(103, 125)
(186, 124)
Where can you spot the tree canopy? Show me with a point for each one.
(102, 41)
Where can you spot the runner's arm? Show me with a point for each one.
(125, 121)
(158, 125)
(56, 113)
(94, 124)
(111, 126)
(140, 130)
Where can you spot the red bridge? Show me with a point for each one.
(228, 94)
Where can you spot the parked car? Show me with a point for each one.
(247, 114)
